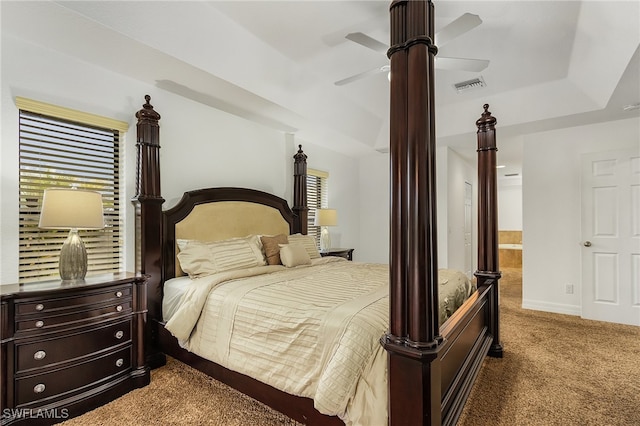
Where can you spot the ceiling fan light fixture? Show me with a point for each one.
(459, 26)
(465, 86)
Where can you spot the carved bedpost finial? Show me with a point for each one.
(487, 121)
(300, 155)
(148, 145)
(147, 112)
(300, 163)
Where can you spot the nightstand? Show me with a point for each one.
(347, 253)
(69, 347)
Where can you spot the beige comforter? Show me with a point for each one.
(311, 331)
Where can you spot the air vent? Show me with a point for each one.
(465, 86)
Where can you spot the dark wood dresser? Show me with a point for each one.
(69, 347)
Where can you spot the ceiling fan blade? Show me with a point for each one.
(384, 68)
(461, 64)
(367, 41)
(456, 28)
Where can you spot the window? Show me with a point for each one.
(62, 148)
(317, 198)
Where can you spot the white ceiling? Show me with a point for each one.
(553, 63)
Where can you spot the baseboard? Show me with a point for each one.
(556, 308)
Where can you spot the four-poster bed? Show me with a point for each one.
(430, 368)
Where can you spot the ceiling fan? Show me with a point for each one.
(461, 25)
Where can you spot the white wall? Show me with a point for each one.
(459, 172)
(200, 146)
(551, 209)
(509, 187)
(510, 205)
(452, 172)
(374, 208)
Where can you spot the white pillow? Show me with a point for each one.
(308, 242)
(294, 255)
(200, 258)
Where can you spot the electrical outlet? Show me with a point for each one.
(569, 288)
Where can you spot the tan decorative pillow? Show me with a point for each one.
(294, 255)
(272, 249)
(308, 242)
(200, 258)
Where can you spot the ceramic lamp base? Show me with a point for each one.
(325, 239)
(73, 258)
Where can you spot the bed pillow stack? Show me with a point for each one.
(308, 242)
(271, 246)
(290, 251)
(294, 255)
(200, 258)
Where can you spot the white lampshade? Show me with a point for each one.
(326, 217)
(71, 208)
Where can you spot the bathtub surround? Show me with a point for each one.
(510, 249)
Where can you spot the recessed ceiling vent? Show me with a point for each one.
(465, 86)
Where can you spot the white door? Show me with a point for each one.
(468, 226)
(611, 236)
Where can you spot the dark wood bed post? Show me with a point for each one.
(488, 263)
(413, 340)
(148, 221)
(300, 208)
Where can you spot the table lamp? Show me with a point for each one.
(325, 218)
(72, 209)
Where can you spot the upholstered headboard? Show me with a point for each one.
(216, 214)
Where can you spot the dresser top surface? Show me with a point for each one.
(92, 281)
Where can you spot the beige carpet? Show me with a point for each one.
(181, 395)
(556, 370)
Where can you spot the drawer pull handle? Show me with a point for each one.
(119, 308)
(119, 362)
(39, 307)
(119, 334)
(39, 324)
(39, 388)
(39, 355)
(118, 294)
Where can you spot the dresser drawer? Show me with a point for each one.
(46, 306)
(71, 346)
(58, 382)
(123, 307)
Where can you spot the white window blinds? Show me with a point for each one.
(60, 152)
(317, 198)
